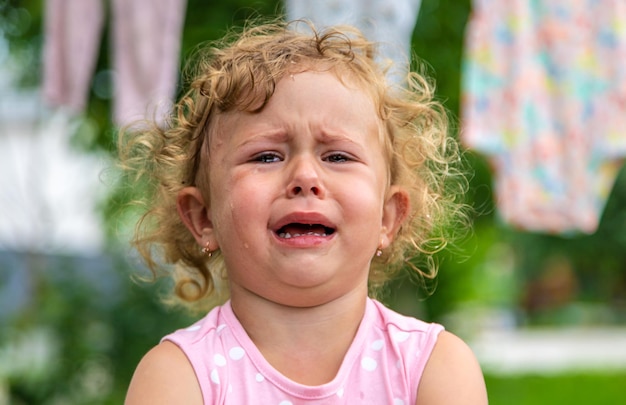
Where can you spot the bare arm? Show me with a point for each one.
(452, 375)
(164, 376)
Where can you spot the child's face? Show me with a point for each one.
(299, 197)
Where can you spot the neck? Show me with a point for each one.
(307, 344)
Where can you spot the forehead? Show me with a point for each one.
(307, 97)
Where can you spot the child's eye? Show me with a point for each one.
(337, 158)
(267, 157)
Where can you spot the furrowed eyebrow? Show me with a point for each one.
(273, 136)
(330, 137)
(339, 137)
(326, 137)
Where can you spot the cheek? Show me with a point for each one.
(364, 200)
(237, 208)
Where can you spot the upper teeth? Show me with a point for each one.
(288, 235)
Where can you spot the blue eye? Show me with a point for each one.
(267, 157)
(336, 158)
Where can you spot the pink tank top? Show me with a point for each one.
(383, 365)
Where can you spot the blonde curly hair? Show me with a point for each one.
(240, 72)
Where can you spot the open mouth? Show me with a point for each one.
(294, 230)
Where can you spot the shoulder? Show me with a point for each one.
(164, 376)
(452, 375)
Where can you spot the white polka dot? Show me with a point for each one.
(378, 344)
(400, 336)
(236, 353)
(285, 403)
(219, 360)
(340, 392)
(369, 363)
(215, 377)
(193, 328)
(398, 401)
(259, 377)
(220, 327)
(230, 388)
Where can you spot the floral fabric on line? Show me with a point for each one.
(544, 97)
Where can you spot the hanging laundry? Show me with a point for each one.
(390, 23)
(72, 30)
(544, 98)
(146, 38)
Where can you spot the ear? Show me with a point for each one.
(395, 211)
(195, 215)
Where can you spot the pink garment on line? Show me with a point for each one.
(383, 365)
(71, 42)
(146, 45)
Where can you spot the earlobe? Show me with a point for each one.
(395, 212)
(195, 214)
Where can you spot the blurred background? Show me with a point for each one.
(544, 309)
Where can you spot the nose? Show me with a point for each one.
(305, 178)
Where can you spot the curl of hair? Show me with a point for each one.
(240, 73)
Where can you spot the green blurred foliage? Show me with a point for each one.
(574, 389)
(82, 330)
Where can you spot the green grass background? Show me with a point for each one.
(570, 389)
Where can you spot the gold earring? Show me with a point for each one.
(207, 249)
(379, 251)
